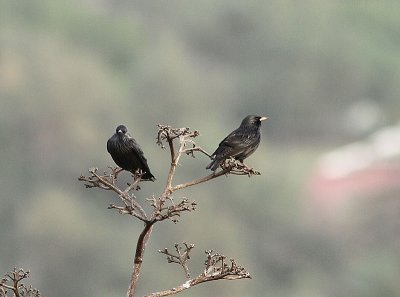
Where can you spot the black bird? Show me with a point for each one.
(240, 144)
(127, 153)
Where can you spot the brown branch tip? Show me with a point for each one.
(181, 256)
(11, 284)
(167, 133)
(108, 181)
(171, 212)
(164, 208)
(216, 266)
(236, 167)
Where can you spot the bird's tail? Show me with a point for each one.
(213, 165)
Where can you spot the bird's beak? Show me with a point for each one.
(263, 118)
(119, 131)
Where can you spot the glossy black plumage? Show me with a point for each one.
(127, 153)
(240, 143)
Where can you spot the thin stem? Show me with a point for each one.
(7, 286)
(190, 151)
(15, 289)
(104, 183)
(193, 282)
(137, 263)
(175, 157)
(173, 291)
(200, 180)
(172, 167)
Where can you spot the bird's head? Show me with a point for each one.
(121, 130)
(253, 120)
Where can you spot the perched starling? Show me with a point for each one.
(127, 153)
(240, 144)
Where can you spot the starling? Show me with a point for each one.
(127, 153)
(240, 144)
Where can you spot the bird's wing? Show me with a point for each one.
(135, 147)
(233, 144)
(239, 137)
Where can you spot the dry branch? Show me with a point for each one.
(216, 268)
(180, 142)
(12, 282)
(108, 181)
(181, 257)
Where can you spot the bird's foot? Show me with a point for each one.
(246, 167)
(238, 167)
(249, 170)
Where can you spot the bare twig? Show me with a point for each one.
(174, 211)
(12, 283)
(181, 257)
(200, 180)
(230, 166)
(190, 151)
(180, 142)
(168, 134)
(238, 168)
(215, 269)
(108, 182)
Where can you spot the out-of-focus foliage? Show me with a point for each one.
(70, 71)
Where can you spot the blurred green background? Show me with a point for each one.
(326, 72)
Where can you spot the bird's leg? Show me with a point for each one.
(237, 167)
(247, 168)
